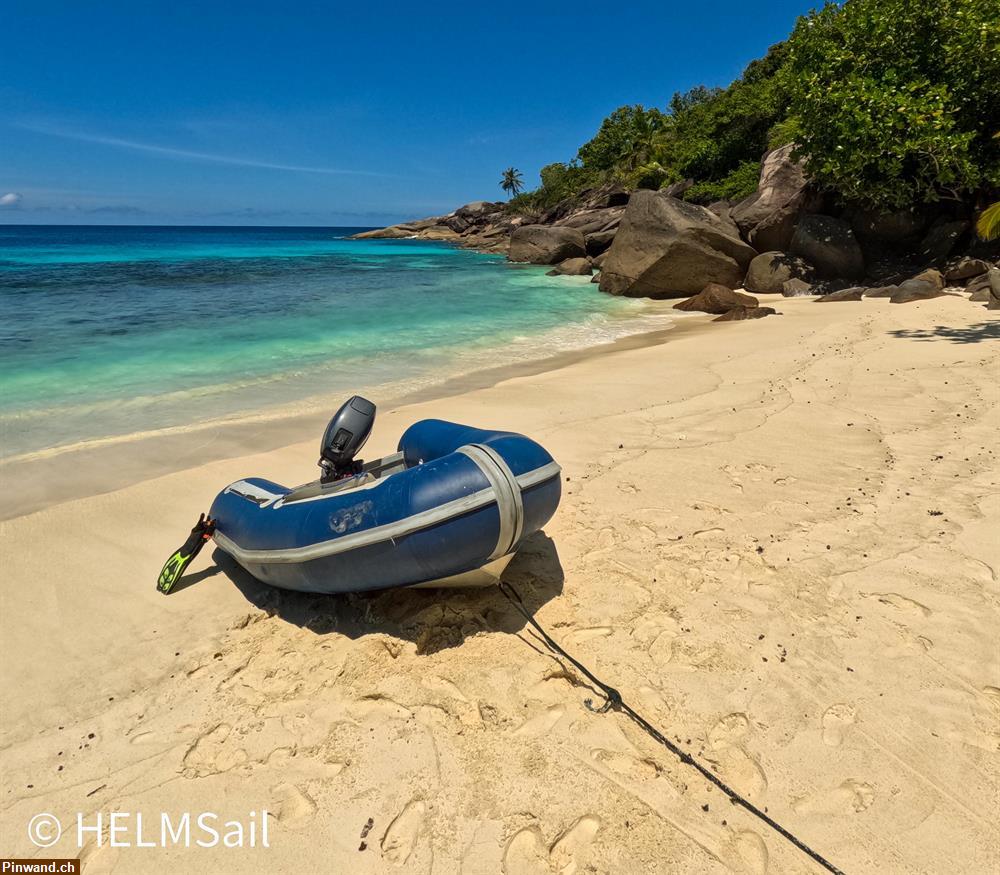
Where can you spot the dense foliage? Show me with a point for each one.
(897, 100)
(891, 102)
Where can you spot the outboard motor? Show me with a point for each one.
(344, 437)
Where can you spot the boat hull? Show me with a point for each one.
(462, 500)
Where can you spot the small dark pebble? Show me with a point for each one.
(363, 846)
(367, 828)
(704, 807)
(90, 735)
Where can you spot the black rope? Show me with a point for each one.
(614, 702)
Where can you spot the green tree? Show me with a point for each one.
(627, 139)
(896, 100)
(512, 182)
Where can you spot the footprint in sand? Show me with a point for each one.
(749, 849)
(851, 797)
(579, 636)
(444, 687)
(401, 836)
(738, 766)
(296, 808)
(212, 753)
(625, 764)
(836, 720)
(900, 602)
(526, 853)
(729, 730)
(541, 723)
(568, 851)
(743, 771)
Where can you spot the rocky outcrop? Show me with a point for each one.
(912, 290)
(941, 240)
(854, 293)
(769, 271)
(767, 218)
(715, 298)
(572, 267)
(546, 244)
(965, 268)
(599, 242)
(795, 288)
(738, 314)
(667, 248)
(994, 300)
(830, 245)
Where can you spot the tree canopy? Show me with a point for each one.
(897, 101)
(890, 103)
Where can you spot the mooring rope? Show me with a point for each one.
(614, 702)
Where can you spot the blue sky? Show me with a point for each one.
(329, 113)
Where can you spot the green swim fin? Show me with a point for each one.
(174, 567)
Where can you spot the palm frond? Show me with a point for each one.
(988, 223)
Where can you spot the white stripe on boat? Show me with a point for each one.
(398, 529)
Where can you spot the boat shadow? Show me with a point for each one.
(434, 619)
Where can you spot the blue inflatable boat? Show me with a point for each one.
(449, 508)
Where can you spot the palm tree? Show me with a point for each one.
(512, 182)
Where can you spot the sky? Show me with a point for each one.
(330, 113)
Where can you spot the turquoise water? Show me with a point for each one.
(109, 331)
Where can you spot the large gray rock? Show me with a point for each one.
(738, 314)
(769, 271)
(677, 189)
(829, 244)
(591, 221)
(979, 288)
(852, 294)
(546, 244)
(965, 268)
(572, 267)
(782, 179)
(667, 248)
(599, 241)
(796, 288)
(479, 209)
(994, 301)
(715, 298)
(915, 290)
(897, 227)
(393, 232)
(941, 240)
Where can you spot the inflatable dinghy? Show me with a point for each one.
(449, 508)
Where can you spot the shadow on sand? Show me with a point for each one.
(970, 334)
(434, 619)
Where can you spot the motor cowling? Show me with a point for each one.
(344, 437)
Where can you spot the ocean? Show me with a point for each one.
(111, 331)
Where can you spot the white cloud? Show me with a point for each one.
(11, 199)
(170, 152)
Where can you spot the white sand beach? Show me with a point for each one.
(779, 539)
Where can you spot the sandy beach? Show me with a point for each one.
(778, 539)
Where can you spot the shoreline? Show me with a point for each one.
(122, 460)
